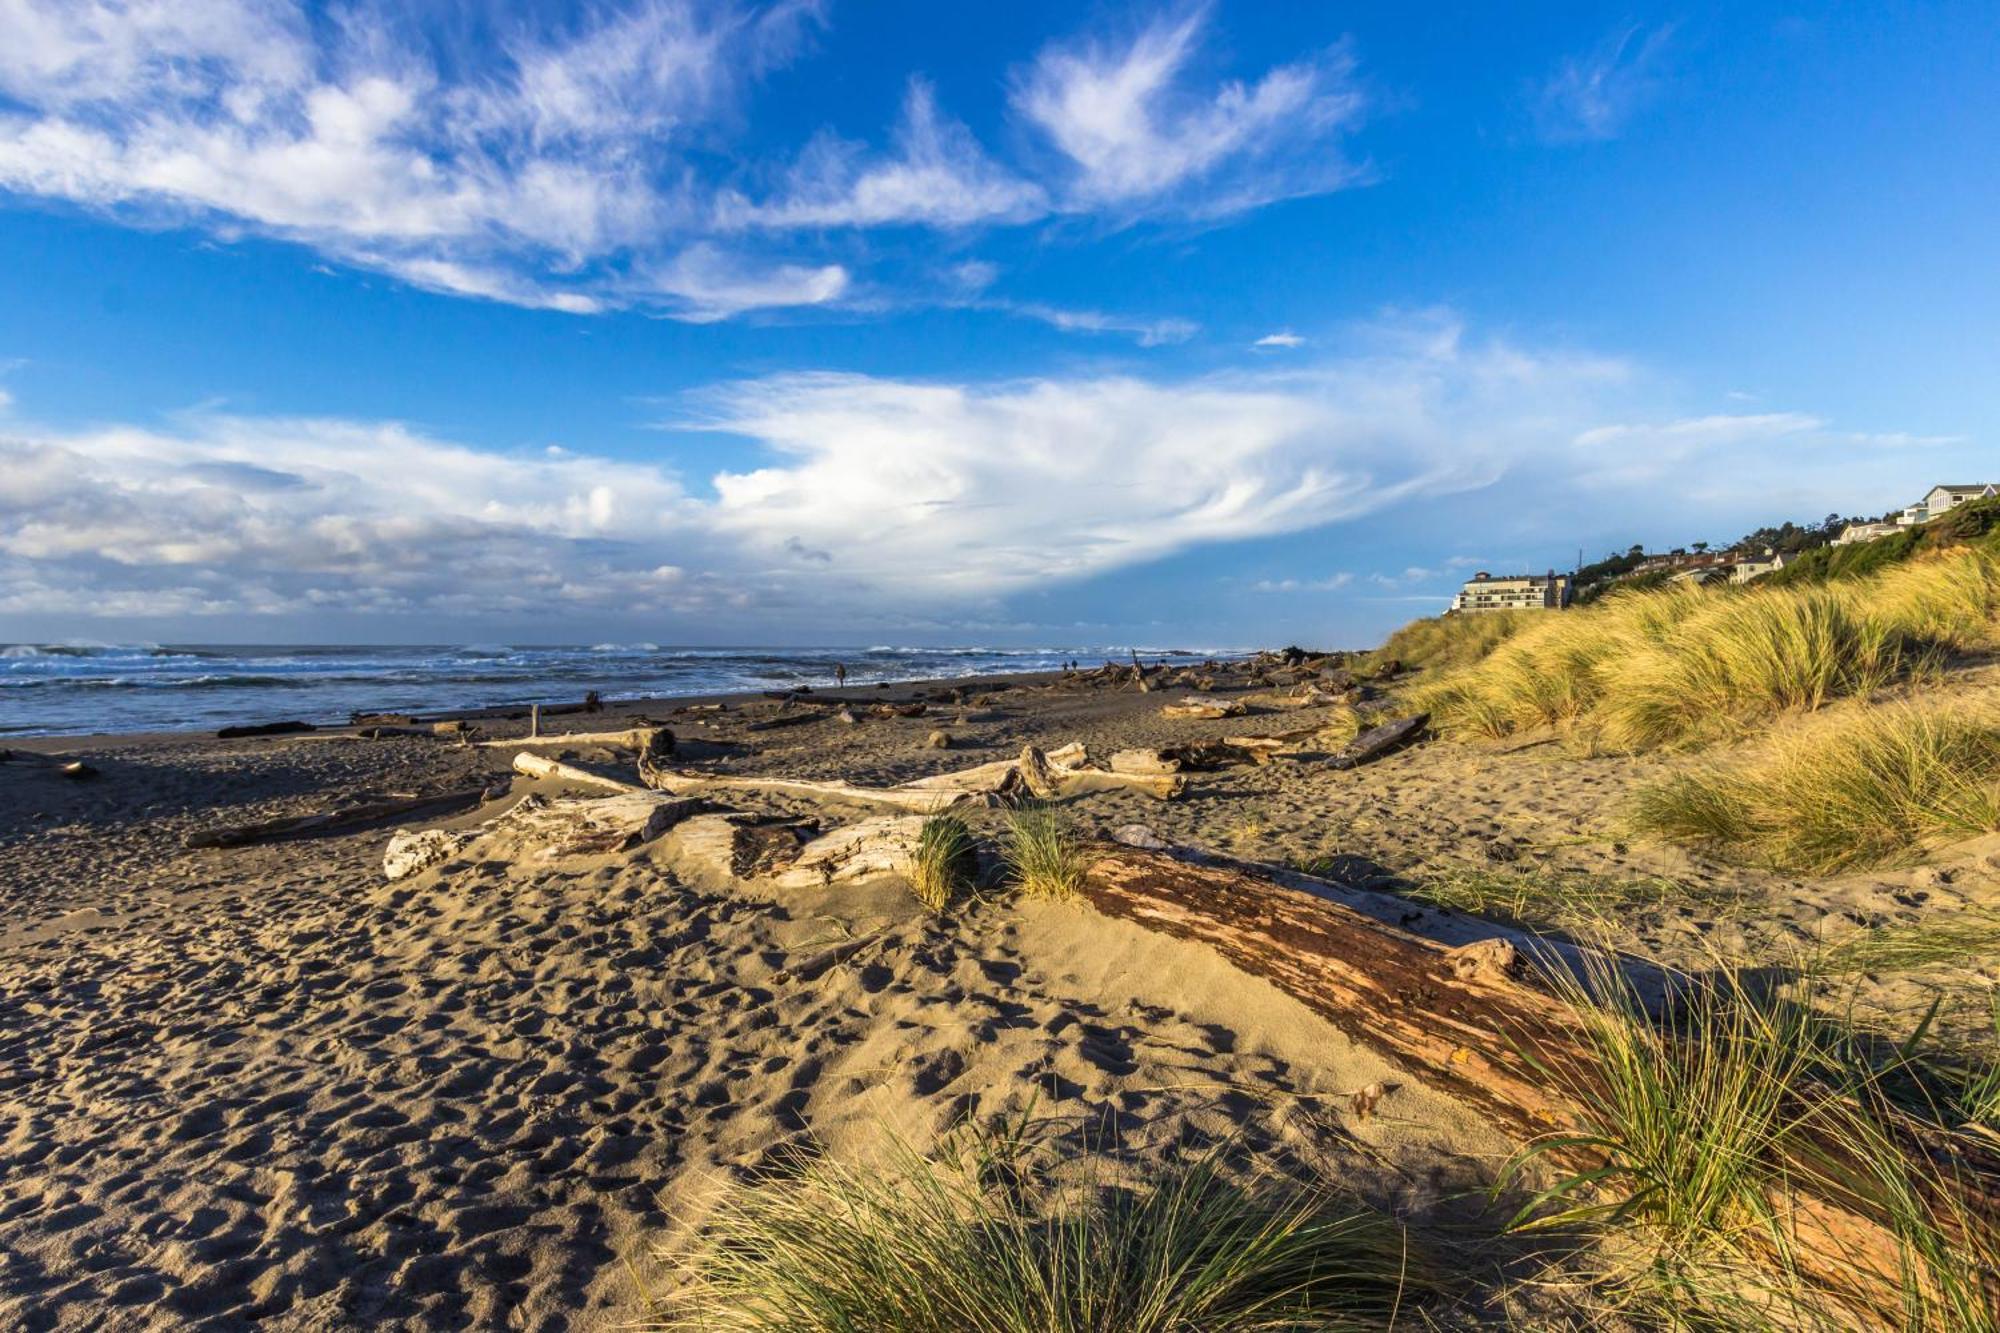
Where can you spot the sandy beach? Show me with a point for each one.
(264, 1084)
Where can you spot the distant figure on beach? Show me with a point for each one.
(840, 674)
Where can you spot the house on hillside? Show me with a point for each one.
(1943, 499)
(1750, 564)
(1864, 532)
(1513, 592)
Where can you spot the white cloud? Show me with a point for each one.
(707, 284)
(1591, 97)
(1285, 339)
(1331, 583)
(570, 163)
(875, 494)
(529, 179)
(1147, 332)
(1138, 138)
(938, 176)
(869, 499)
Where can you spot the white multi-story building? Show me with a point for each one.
(1944, 499)
(1513, 592)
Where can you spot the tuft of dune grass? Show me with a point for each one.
(1685, 665)
(1044, 857)
(943, 861)
(1864, 788)
(1715, 1125)
(966, 1241)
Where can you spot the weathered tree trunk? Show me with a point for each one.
(924, 800)
(332, 821)
(537, 767)
(1378, 741)
(630, 738)
(543, 830)
(1468, 1021)
(1208, 708)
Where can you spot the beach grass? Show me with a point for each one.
(1545, 898)
(1442, 642)
(967, 1240)
(1712, 1128)
(1865, 787)
(1686, 665)
(1044, 856)
(944, 861)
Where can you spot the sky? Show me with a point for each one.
(1219, 324)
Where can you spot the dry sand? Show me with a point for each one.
(264, 1084)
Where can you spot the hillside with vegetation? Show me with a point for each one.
(1825, 741)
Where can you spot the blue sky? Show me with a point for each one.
(1051, 324)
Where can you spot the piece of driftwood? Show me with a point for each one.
(332, 821)
(1471, 1021)
(535, 766)
(264, 729)
(923, 800)
(1046, 778)
(1378, 741)
(817, 966)
(784, 720)
(629, 738)
(540, 829)
(1205, 708)
(1153, 762)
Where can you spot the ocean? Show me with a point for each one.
(70, 689)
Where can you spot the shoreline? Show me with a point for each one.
(875, 691)
(892, 691)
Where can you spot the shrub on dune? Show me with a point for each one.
(1859, 789)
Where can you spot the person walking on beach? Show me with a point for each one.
(840, 674)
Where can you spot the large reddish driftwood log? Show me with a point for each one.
(1472, 1021)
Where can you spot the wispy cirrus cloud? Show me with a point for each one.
(569, 163)
(1592, 96)
(1139, 138)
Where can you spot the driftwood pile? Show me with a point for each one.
(1470, 1016)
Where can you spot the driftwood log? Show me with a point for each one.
(1207, 708)
(539, 829)
(334, 821)
(535, 766)
(1378, 741)
(1472, 1021)
(630, 738)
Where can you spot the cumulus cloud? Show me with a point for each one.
(1283, 340)
(1138, 136)
(871, 493)
(869, 499)
(1592, 96)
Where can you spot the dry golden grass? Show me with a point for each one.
(1858, 788)
(1686, 665)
